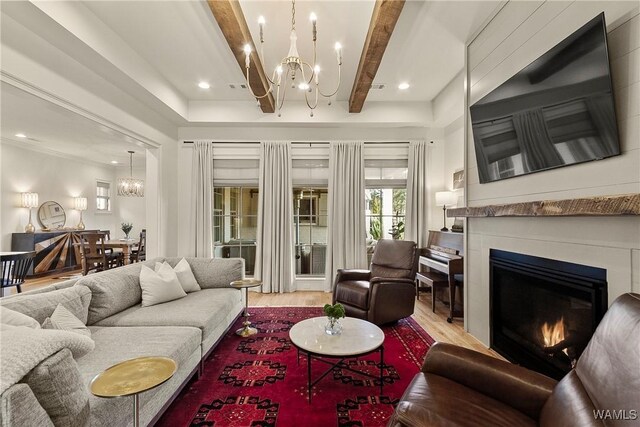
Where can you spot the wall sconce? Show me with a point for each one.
(29, 200)
(444, 199)
(80, 204)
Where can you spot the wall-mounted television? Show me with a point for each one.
(557, 111)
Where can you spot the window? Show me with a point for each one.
(385, 213)
(310, 222)
(103, 196)
(386, 199)
(235, 220)
(310, 173)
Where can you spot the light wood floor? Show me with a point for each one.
(434, 323)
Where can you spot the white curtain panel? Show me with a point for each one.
(202, 167)
(346, 234)
(417, 214)
(274, 257)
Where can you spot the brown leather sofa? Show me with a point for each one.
(386, 292)
(461, 387)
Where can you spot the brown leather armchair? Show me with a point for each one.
(386, 292)
(461, 387)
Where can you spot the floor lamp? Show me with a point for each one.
(444, 199)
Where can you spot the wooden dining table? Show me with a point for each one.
(125, 245)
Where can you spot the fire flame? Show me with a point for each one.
(553, 334)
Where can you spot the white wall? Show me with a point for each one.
(448, 111)
(454, 157)
(521, 32)
(59, 179)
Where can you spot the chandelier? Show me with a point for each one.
(292, 67)
(130, 187)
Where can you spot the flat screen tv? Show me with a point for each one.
(557, 111)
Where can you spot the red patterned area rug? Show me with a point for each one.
(258, 381)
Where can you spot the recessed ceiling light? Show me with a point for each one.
(204, 85)
(403, 86)
(114, 162)
(21, 135)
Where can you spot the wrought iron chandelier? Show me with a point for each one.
(130, 187)
(293, 66)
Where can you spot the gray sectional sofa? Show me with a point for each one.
(185, 330)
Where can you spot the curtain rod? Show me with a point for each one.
(227, 142)
(304, 143)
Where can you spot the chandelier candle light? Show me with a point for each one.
(130, 187)
(293, 66)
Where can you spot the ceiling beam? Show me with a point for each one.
(234, 27)
(383, 21)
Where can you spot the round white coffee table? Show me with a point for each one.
(358, 338)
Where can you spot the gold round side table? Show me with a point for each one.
(246, 330)
(133, 377)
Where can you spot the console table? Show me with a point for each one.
(55, 250)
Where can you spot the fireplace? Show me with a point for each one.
(544, 311)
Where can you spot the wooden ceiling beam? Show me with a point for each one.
(383, 21)
(233, 24)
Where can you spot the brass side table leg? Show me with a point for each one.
(247, 330)
(136, 410)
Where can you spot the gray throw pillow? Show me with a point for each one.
(63, 319)
(40, 306)
(58, 385)
(15, 318)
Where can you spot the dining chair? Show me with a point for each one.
(15, 268)
(93, 252)
(115, 256)
(140, 252)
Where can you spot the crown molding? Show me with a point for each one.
(54, 99)
(37, 147)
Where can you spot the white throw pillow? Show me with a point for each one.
(15, 318)
(185, 275)
(161, 286)
(63, 319)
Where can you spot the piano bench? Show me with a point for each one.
(433, 279)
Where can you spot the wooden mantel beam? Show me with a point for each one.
(383, 21)
(620, 204)
(233, 24)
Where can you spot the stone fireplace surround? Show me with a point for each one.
(611, 243)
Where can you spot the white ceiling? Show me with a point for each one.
(49, 127)
(162, 49)
(427, 47)
(182, 41)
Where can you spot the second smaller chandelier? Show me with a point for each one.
(292, 68)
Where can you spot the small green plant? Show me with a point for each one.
(126, 228)
(335, 311)
(375, 229)
(397, 231)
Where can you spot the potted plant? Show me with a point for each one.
(334, 314)
(126, 228)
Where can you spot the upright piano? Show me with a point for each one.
(441, 265)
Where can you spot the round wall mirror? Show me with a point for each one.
(51, 215)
